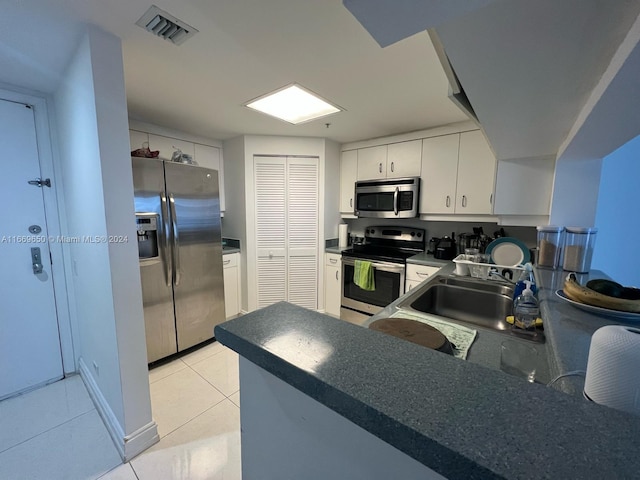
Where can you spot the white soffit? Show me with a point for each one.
(389, 21)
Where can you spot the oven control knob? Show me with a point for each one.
(372, 231)
(413, 234)
(419, 234)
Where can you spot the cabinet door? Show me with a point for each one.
(332, 289)
(420, 272)
(270, 284)
(411, 284)
(168, 145)
(231, 294)
(439, 174)
(209, 157)
(303, 198)
(404, 159)
(138, 139)
(348, 177)
(372, 162)
(476, 174)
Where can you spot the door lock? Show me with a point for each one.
(36, 260)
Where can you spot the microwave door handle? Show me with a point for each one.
(396, 208)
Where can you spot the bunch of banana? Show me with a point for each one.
(586, 295)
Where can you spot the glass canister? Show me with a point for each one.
(578, 249)
(550, 243)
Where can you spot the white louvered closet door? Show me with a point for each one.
(302, 224)
(287, 216)
(270, 208)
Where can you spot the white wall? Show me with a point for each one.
(107, 314)
(331, 173)
(234, 221)
(239, 221)
(617, 216)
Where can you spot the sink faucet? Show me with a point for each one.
(494, 274)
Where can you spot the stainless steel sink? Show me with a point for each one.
(485, 303)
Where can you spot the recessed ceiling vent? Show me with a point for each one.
(166, 26)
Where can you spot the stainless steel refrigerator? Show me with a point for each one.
(180, 247)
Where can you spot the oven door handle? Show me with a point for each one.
(396, 207)
(384, 267)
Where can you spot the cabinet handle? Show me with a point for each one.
(410, 287)
(226, 262)
(380, 167)
(333, 260)
(423, 274)
(336, 275)
(464, 200)
(448, 203)
(491, 199)
(351, 202)
(392, 166)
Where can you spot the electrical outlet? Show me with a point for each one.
(96, 368)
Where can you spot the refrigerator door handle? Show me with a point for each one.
(176, 241)
(165, 238)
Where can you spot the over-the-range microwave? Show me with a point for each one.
(389, 198)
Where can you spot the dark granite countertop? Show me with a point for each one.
(428, 259)
(458, 418)
(569, 329)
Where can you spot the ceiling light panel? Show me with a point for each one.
(293, 104)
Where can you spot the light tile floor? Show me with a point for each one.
(56, 433)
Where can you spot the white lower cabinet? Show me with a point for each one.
(416, 274)
(231, 274)
(332, 283)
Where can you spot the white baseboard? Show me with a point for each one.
(128, 446)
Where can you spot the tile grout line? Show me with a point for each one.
(193, 418)
(48, 430)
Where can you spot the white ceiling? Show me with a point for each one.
(243, 49)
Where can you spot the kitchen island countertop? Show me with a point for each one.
(458, 418)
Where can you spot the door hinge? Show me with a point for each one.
(39, 182)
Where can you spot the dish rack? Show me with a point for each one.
(465, 267)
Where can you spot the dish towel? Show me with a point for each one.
(363, 275)
(460, 337)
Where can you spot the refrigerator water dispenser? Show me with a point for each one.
(147, 226)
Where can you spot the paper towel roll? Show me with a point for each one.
(342, 234)
(613, 377)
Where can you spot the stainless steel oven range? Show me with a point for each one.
(387, 248)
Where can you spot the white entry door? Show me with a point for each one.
(29, 338)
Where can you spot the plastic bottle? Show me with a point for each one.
(525, 276)
(525, 308)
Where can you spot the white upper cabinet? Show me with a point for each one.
(168, 145)
(210, 157)
(348, 177)
(372, 163)
(458, 175)
(439, 174)
(404, 159)
(476, 175)
(395, 160)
